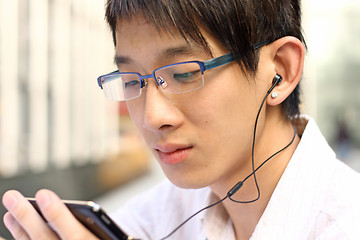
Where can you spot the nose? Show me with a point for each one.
(161, 113)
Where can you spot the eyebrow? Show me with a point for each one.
(121, 60)
(181, 50)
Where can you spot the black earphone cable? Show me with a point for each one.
(189, 218)
(237, 186)
(240, 183)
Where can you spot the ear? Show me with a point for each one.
(288, 55)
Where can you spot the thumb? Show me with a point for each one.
(60, 218)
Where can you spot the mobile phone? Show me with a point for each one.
(93, 217)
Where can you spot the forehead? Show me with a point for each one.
(139, 41)
(136, 29)
(138, 34)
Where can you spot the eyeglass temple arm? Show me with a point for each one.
(216, 62)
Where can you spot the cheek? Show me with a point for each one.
(136, 113)
(224, 102)
(224, 112)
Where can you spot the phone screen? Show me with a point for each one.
(93, 218)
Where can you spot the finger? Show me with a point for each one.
(26, 216)
(14, 227)
(60, 217)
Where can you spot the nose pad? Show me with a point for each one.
(144, 83)
(161, 82)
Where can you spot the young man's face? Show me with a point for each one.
(200, 137)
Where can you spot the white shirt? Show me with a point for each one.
(317, 197)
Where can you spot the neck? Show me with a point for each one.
(274, 136)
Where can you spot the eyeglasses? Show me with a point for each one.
(174, 78)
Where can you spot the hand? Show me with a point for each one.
(24, 222)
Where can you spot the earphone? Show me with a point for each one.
(276, 81)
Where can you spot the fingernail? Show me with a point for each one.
(10, 200)
(42, 198)
(9, 221)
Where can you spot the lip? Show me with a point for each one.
(173, 154)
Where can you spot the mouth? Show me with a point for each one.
(173, 155)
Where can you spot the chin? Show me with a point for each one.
(187, 181)
(187, 176)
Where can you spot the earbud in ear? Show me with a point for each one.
(277, 79)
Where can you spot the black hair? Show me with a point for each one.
(237, 24)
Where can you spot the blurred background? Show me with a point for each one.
(57, 130)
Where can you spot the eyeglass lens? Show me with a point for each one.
(177, 78)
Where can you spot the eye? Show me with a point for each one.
(187, 76)
(132, 83)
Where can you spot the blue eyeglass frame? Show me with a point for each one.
(206, 65)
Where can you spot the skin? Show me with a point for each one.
(200, 138)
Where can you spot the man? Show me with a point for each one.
(213, 88)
